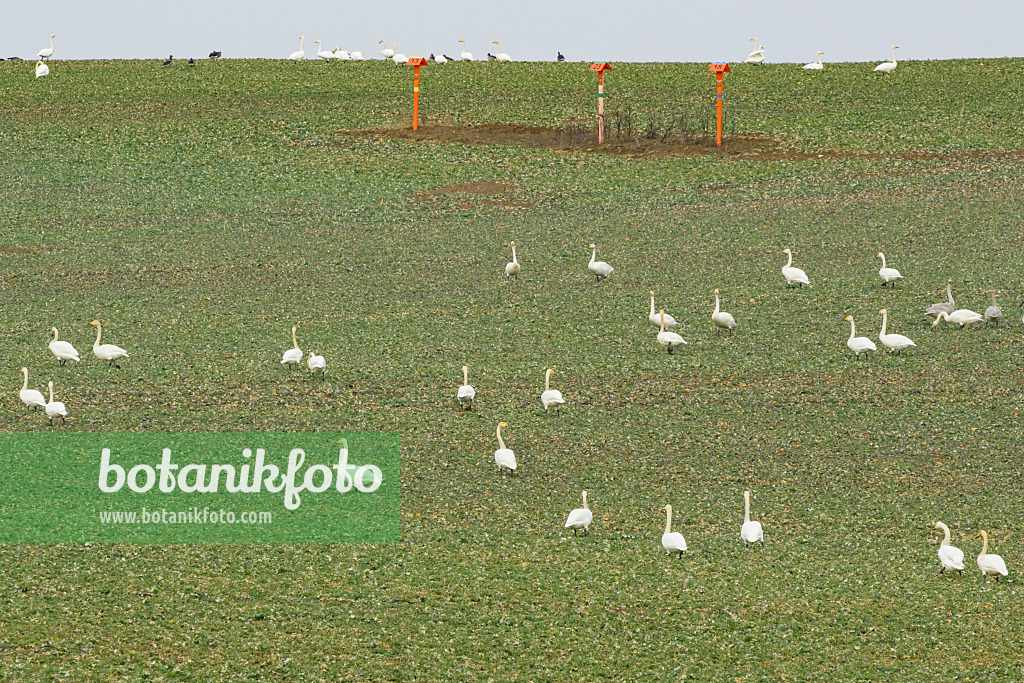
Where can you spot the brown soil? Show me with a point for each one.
(18, 250)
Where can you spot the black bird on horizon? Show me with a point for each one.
(170, 61)
(215, 55)
(447, 57)
(561, 57)
(490, 57)
(191, 61)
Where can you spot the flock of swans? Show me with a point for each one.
(757, 57)
(392, 54)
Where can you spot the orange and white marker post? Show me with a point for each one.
(600, 68)
(719, 70)
(416, 63)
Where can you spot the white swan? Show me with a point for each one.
(888, 67)
(107, 352)
(320, 53)
(859, 345)
(499, 55)
(513, 267)
(655, 317)
(580, 518)
(551, 398)
(504, 458)
(950, 557)
(962, 317)
(30, 397)
(55, 408)
(672, 541)
(398, 58)
(465, 56)
(466, 393)
(356, 56)
(893, 342)
(62, 349)
(340, 55)
(888, 275)
(315, 364)
(47, 52)
(440, 59)
(750, 532)
(721, 319)
(993, 314)
(669, 339)
(757, 56)
(600, 269)
(300, 54)
(990, 565)
(949, 306)
(387, 52)
(42, 70)
(292, 356)
(815, 66)
(794, 276)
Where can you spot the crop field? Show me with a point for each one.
(201, 212)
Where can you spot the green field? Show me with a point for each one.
(200, 213)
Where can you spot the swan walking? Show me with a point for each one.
(893, 342)
(600, 269)
(513, 267)
(42, 70)
(948, 306)
(672, 541)
(466, 393)
(669, 339)
(993, 314)
(859, 345)
(990, 565)
(292, 356)
(751, 531)
(316, 364)
(794, 276)
(580, 518)
(655, 317)
(721, 319)
(950, 557)
(47, 52)
(551, 398)
(55, 408)
(62, 349)
(386, 51)
(888, 275)
(30, 397)
(107, 352)
(300, 54)
(465, 56)
(499, 55)
(504, 458)
(888, 67)
(962, 317)
(815, 66)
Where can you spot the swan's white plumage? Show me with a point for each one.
(751, 531)
(893, 342)
(672, 541)
(600, 269)
(499, 55)
(948, 306)
(55, 408)
(107, 352)
(292, 356)
(655, 317)
(42, 70)
(513, 267)
(888, 67)
(961, 317)
(794, 276)
(62, 349)
(299, 54)
(356, 56)
(721, 319)
(815, 66)
(386, 51)
(47, 52)
(858, 345)
(465, 56)
(30, 397)
(950, 557)
(551, 398)
(990, 564)
(504, 458)
(757, 56)
(580, 518)
(887, 274)
(669, 339)
(466, 393)
(316, 363)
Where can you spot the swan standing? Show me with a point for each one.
(794, 276)
(320, 53)
(721, 319)
(398, 58)
(859, 345)
(750, 532)
(815, 66)
(949, 306)
(62, 349)
(466, 393)
(465, 56)
(888, 275)
(107, 352)
(993, 314)
(600, 269)
(340, 55)
(962, 317)
(504, 458)
(655, 317)
(499, 55)
(512, 268)
(672, 541)
(888, 67)
(757, 56)
(893, 342)
(55, 408)
(551, 398)
(30, 397)
(292, 356)
(300, 54)
(990, 565)
(356, 56)
(387, 52)
(580, 518)
(950, 557)
(316, 364)
(440, 59)
(47, 52)
(669, 339)
(42, 70)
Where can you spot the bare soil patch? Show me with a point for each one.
(18, 250)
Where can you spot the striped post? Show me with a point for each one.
(719, 74)
(600, 107)
(416, 102)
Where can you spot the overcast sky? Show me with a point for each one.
(639, 31)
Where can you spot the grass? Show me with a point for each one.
(199, 213)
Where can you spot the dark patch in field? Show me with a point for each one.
(477, 187)
(18, 250)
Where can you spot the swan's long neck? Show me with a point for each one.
(585, 501)
(790, 261)
(302, 41)
(984, 545)
(295, 343)
(497, 47)
(945, 531)
(547, 381)
(716, 304)
(894, 55)
(593, 255)
(514, 253)
(993, 303)
(55, 329)
(99, 333)
(883, 258)
(885, 315)
(501, 443)
(465, 375)
(949, 292)
(668, 519)
(819, 58)
(51, 392)
(746, 507)
(853, 329)
(663, 321)
(24, 385)
(652, 304)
